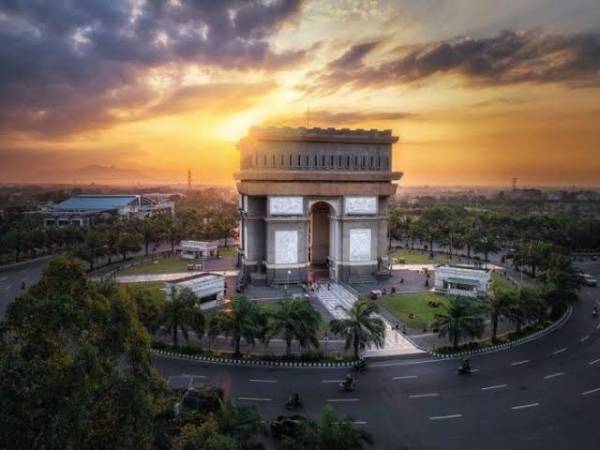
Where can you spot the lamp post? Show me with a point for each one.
(289, 272)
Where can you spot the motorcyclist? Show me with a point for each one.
(465, 366)
(349, 381)
(361, 364)
(294, 399)
(595, 311)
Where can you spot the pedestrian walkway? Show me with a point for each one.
(153, 277)
(338, 300)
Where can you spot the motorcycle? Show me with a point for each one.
(293, 403)
(347, 387)
(464, 370)
(360, 366)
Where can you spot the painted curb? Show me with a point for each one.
(508, 345)
(254, 362)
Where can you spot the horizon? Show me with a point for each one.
(477, 94)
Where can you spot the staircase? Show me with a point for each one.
(338, 300)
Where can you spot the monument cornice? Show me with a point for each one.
(363, 188)
(315, 175)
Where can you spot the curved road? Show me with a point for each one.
(541, 395)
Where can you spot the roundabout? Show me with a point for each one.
(539, 395)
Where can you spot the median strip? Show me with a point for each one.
(529, 405)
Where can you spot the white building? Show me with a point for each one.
(198, 249)
(206, 286)
(466, 281)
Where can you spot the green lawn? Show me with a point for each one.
(501, 282)
(402, 305)
(228, 251)
(158, 265)
(417, 257)
(155, 288)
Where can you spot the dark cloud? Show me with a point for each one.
(327, 119)
(508, 58)
(353, 58)
(64, 66)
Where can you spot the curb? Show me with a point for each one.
(509, 345)
(255, 362)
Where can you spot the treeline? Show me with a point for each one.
(76, 373)
(25, 236)
(523, 236)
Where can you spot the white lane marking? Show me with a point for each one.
(255, 399)
(591, 363)
(450, 416)
(262, 381)
(332, 400)
(431, 394)
(553, 375)
(3, 278)
(405, 377)
(331, 381)
(474, 370)
(518, 363)
(360, 422)
(8, 287)
(194, 376)
(590, 392)
(529, 405)
(560, 350)
(585, 338)
(598, 327)
(496, 386)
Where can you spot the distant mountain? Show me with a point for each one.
(93, 173)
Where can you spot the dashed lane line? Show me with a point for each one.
(553, 375)
(585, 338)
(591, 363)
(528, 405)
(590, 392)
(262, 381)
(598, 327)
(254, 399)
(8, 287)
(405, 377)
(331, 381)
(559, 351)
(518, 363)
(496, 386)
(428, 395)
(340, 400)
(449, 416)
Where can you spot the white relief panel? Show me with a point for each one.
(286, 247)
(361, 205)
(360, 244)
(288, 206)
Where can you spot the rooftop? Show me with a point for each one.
(323, 135)
(96, 202)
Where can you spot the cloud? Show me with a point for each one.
(508, 58)
(66, 66)
(353, 58)
(349, 118)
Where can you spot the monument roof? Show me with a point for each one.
(303, 134)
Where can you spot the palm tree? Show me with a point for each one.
(522, 307)
(462, 318)
(361, 328)
(499, 306)
(243, 320)
(295, 319)
(181, 314)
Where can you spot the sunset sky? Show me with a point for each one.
(478, 91)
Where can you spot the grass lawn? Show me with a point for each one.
(417, 257)
(228, 251)
(402, 305)
(501, 282)
(158, 265)
(155, 288)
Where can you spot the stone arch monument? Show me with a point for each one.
(314, 204)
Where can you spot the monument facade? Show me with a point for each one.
(314, 203)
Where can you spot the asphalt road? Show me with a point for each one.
(541, 395)
(11, 279)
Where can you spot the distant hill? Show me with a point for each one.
(93, 173)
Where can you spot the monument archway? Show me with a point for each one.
(319, 239)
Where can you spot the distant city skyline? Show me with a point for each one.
(478, 92)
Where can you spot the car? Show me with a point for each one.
(589, 280)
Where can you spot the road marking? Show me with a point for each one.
(450, 416)
(255, 399)
(591, 363)
(598, 327)
(590, 392)
(194, 376)
(360, 422)
(529, 405)
(332, 381)
(262, 381)
(405, 377)
(560, 350)
(8, 287)
(585, 338)
(553, 375)
(3, 278)
(496, 386)
(474, 370)
(431, 394)
(332, 400)
(518, 363)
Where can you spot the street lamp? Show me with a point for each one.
(289, 272)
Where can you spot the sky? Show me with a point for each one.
(478, 92)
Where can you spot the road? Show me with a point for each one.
(11, 279)
(541, 395)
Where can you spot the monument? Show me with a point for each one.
(313, 203)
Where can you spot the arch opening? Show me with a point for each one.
(319, 240)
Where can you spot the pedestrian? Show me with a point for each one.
(328, 286)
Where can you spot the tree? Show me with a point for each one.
(330, 433)
(523, 306)
(92, 248)
(560, 284)
(499, 306)
(462, 318)
(361, 328)
(242, 320)
(182, 314)
(129, 242)
(295, 319)
(486, 244)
